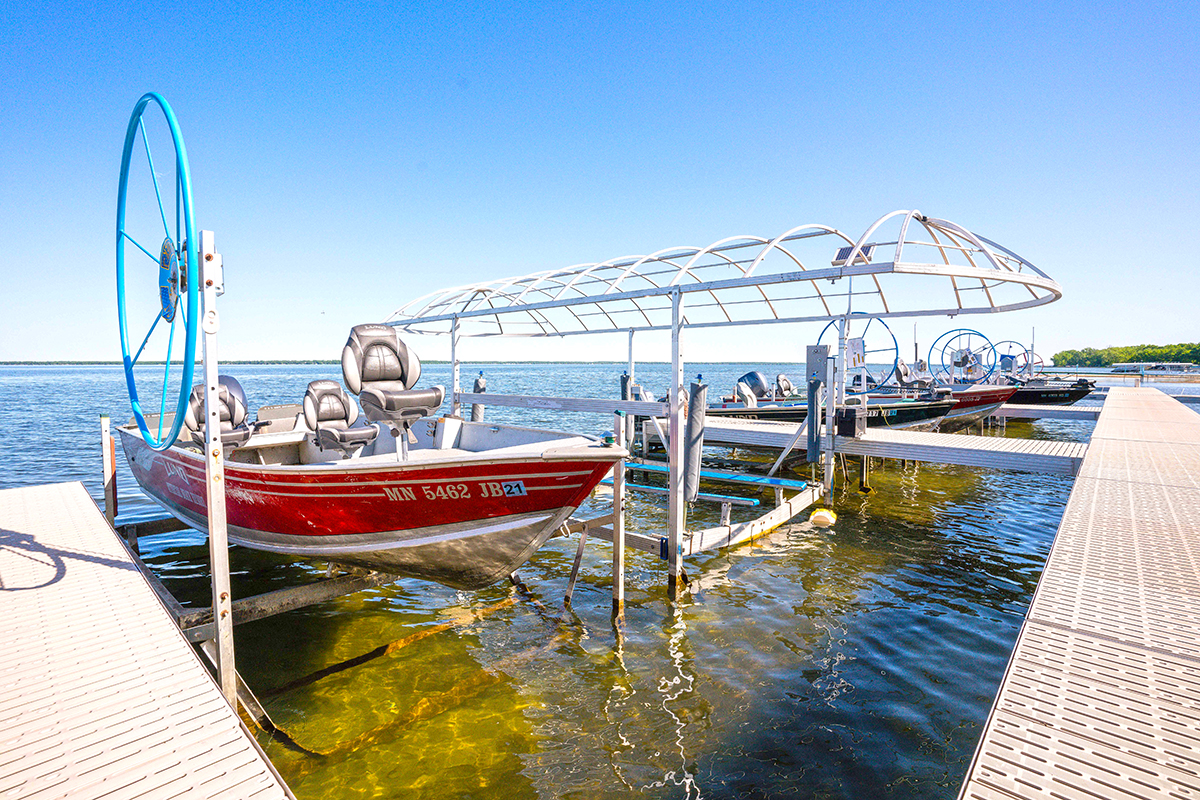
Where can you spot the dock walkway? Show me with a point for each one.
(100, 695)
(1102, 694)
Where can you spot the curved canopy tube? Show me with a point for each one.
(806, 274)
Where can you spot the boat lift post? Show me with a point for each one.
(211, 275)
(675, 508)
(454, 371)
(108, 451)
(621, 422)
(630, 433)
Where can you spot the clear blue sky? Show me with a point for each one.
(353, 158)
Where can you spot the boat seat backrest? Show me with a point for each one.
(327, 402)
(783, 386)
(232, 412)
(330, 414)
(382, 370)
(374, 353)
(909, 378)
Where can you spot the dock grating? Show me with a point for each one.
(100, 695)
(1102, 694)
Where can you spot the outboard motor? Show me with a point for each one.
(742, 393)
(757, 383)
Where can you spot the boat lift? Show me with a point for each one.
(927, 267)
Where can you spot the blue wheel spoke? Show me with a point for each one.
(152, 257)
(154, 177)
(133, 363)
(162, 409)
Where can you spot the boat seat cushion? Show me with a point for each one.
(231, 399)
(383, 401)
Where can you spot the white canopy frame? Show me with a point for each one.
(747, 280)
(739, 280)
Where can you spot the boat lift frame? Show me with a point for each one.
(736, 281)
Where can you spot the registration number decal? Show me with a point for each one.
(457, 491)
(504, 489)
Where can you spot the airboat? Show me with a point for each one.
(396, 488)
(966, 358)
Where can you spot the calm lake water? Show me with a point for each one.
(859, 661)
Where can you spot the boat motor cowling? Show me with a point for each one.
(757, 383)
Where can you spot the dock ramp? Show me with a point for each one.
(100, 695)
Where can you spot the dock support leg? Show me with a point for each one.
(618, 523)
(864, 475)
(676, 510)
(108, 450)
(575, 567)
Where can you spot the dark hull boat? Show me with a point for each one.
(1052, 393)
(973, 403)
(899, 413)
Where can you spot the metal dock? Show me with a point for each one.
(1102, 694)
(100, 695)
(1035, 455)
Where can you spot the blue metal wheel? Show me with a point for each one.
(962, 355)
(1016, 360)
(171, 311)
(879, 344)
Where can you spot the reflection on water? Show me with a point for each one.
(856, 661)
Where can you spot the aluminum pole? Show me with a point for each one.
(454, 373)
(831, 377)
(108, 457)
(630, 433)
(214, 470)
(675, 507)
(620, 422)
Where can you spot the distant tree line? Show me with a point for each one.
(1091, 357)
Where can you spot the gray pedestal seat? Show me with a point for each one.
(382, 371)
(232, 411)
(330, 414)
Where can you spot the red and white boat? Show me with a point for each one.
(974, 404)
(460, 503)
(469, 506)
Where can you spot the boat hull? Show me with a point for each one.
(463, 524)
(974, 404)
(1049, 395)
